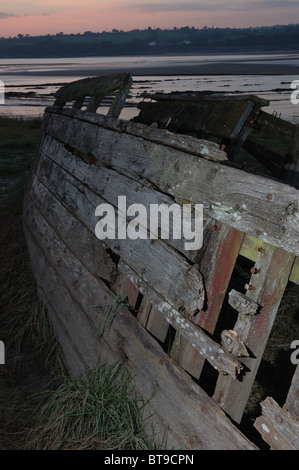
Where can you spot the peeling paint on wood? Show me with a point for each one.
(269, 284)
(222, 361)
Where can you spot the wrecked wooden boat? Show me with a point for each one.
(170, 313)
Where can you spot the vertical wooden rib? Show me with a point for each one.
(268, 285)
(216, 267)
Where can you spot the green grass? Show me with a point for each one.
(98, 411)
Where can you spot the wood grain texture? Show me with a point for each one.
(292, 401)
(218, 261)
(214, 353)
(274, 267)
(77, 301)
(262, 207)
(96, 88)
(277, 426)
(156, 260)
(273, 126)
(290, 168)
(77, 236)
(87, 160)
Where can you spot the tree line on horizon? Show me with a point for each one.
(152, 41)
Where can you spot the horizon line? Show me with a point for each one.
(116, 30)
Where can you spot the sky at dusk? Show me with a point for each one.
(37, 17)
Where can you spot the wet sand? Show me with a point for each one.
(225, 67)
(30, 85)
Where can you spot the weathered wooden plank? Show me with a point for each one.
(222, 361)
(157, 325)
(292, 401)
(200, 96)
(221, 119)
(120, 99)
(188, 144)
(194, 421)
(232, 343)
(267, 288)
(216, 266)
(158, 262)
(249, 249)
(144, 311)
(97, 88)
(70, 323)
(151, 319)
(278, 426)
(262, 207)
(242, 130)
(274, 126)
(242, 303)
(263, 154)
(185, 143)
(77, 279)
(103, 181)
(74, 234)
(271, 160)
(72, 359)
(126, 289)
(226, 117)
(294, 276)
(290, 169)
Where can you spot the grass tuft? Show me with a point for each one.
(98, 411)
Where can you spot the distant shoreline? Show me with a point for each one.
(221, 68)
(262, 63)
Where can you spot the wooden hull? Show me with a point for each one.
(86, 160)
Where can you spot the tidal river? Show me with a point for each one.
(29, 84)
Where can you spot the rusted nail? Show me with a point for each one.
(255, 270)
(182, 308)
(260, 249)
(248, 287)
